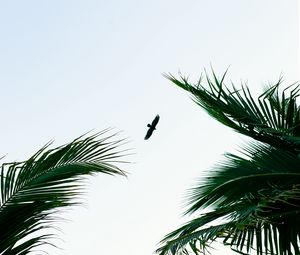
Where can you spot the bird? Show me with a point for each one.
(152, 127)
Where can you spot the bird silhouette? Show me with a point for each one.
(152, 127)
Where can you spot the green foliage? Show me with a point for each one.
(32, 191)
(250, 202)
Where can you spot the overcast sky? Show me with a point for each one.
(70, 66)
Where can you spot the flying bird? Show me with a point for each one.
(152, 127)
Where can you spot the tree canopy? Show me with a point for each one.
(250, 202)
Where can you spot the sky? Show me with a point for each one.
(68, 67)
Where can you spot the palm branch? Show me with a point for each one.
(250, 202)
(32, 191)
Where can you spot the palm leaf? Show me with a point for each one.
(33, 190)
(270, 119)
(250, 208)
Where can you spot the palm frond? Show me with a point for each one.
(33, 190)
(238, 176)
(270, 119)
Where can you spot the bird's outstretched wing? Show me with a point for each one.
(149, 133)
(155, 121)
(152, 127)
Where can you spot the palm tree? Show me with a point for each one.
(32, 191)
(250, 201)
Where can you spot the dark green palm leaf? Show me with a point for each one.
(32, 191)
(238, 110)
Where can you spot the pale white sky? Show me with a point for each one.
(70, 66)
